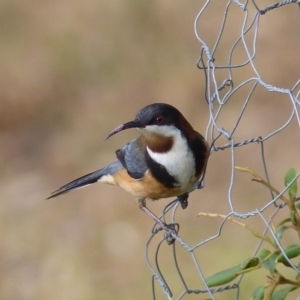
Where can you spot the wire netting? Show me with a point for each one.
(241, 96)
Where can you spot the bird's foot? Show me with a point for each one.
(183, 199)
(200, 184)
(170, 229)
(170, 233)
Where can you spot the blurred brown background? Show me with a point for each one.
(73, 70)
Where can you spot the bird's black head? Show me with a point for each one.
(157, 114)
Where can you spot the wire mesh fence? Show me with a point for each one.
(239, 86)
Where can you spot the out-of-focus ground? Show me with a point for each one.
(70, 71)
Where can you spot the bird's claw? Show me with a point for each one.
(183, 199)
(170, 233)
(200, 184)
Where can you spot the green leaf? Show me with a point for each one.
(258, 293)
(298, 205)
(284, 221)
(289, 177)
(281, 294)
(228, 275)
(250, 263)
(263, 253)
(279, 232)
(290, 251)
(270, 263)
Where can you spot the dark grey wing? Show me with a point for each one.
(132, 157)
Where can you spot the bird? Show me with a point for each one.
(166, 160)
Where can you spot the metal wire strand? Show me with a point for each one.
(225, 81)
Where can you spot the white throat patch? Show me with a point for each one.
(179, 161)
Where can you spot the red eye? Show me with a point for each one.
(160, 120)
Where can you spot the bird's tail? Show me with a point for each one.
(87, 179)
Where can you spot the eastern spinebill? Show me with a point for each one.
(166, 160)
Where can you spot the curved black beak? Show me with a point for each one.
(131, 124)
